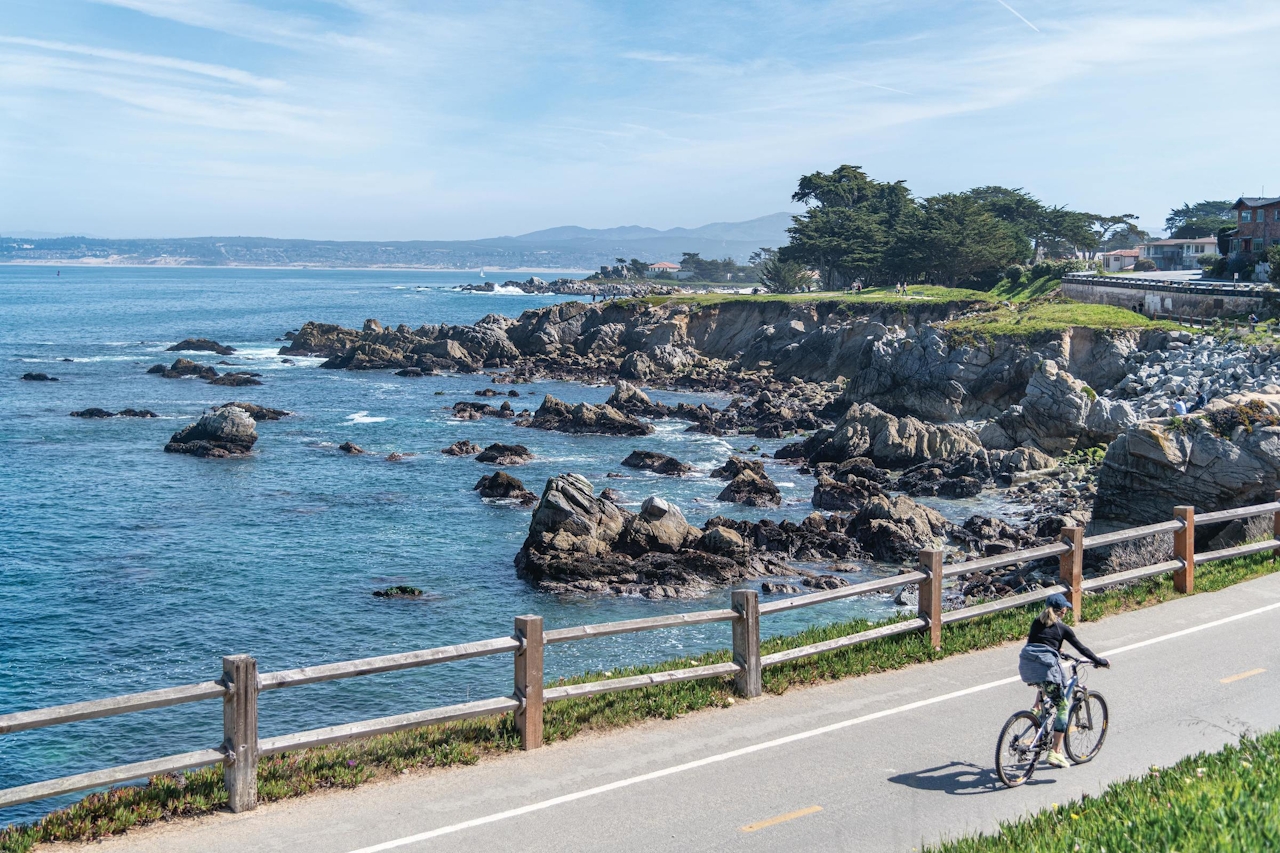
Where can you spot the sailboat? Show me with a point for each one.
(482, 272)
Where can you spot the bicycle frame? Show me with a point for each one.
(1074, 693)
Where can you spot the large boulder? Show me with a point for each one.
(201, 345)
(894, 529)
(751, 489)
(845, 491)
(505, 454)
(182, 368)
(630, 400)
(502, 486)
(1053, 414)
(559, 416)
(224, 433)
(960, 476)
(462, 448)
(889, 441)
(659, 463)
(1154, 467)
(659, 526)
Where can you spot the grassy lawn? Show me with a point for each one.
(348, 765)
(918, 294)
(1023, 292)
(1220, 801)
(1038, 318)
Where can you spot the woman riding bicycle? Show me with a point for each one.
(1040, 665)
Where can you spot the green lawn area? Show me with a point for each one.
(1042, 317)
(1226, 801)
(1023, 292)
(918, 294)
(348, 765)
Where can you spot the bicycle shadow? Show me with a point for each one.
(959, 778)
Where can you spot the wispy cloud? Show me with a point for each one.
(1019, 15)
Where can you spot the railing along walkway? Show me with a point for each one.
(241, 683)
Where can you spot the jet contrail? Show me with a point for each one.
(1019, 14)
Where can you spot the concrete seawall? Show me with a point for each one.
(1151, 296)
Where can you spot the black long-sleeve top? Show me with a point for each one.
(1053, 636)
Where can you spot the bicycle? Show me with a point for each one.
(1027, 734)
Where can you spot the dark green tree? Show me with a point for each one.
(778, 276)
(962, 241)
(1202, 219)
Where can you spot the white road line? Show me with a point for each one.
(770, 744)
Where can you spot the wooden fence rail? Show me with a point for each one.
(241, 684)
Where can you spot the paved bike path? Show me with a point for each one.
(884, 762)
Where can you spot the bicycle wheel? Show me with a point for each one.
(1018, 749)
(1086, 727)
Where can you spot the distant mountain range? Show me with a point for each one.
(565, 247)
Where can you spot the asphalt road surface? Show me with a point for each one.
(886, 762)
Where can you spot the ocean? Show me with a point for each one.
(123, 568)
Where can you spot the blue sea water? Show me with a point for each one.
(123, 568)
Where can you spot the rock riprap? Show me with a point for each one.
(223, 433)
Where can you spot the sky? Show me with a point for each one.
(390, 120)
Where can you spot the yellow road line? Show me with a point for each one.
(782, 818)
(1243, 675)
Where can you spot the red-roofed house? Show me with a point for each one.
(1119, 260)
(662, 267)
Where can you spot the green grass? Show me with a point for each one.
(1038, 318)
(348, 765)
(918, 294)
(1023, 292)
(1225, 801)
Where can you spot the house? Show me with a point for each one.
(1178, 254)
(662, 267)
(1257, 225)
(1120, 260)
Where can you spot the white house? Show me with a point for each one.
(1178, 254)
(1119, 260)
(661, 267)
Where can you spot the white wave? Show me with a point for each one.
(398, 287)
(363, 418)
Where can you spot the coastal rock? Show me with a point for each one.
(402, 591)
(630, 400)
(320, 339)
(751, 489)
(201, 345)
(734, 466)
(414, 372)
(559, 416)
(1052, 416)
(260, 413)
(224, 433)
(659, 463)
(38, 377)
(505, 454)
(843, 492)
(772, 588)
(894, 529)
(93, 413)
(889, 441)
(960, 476)
(350, 447)
(1154, 467)
(237, 380)
(136, 413)
(462, 448)
(182, 368)
(658, 527)
(502, 486)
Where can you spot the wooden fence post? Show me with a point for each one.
(529, 681)
(929, 600)
(1275, 530)
(240, 731)
(746, 643)
(1184, 548)
(1071, 568)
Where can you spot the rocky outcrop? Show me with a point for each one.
(559, 416)
(630, 400)
(237, 379)
(351, 448)
(462, 448)
(502, 486)
(751, 488)
(843, 491)
(658, 463)
(505, 454)
(735, 466)
(580, 543)
(1154, 467)
(224, 433)
(201, 345)
(38, 377)
(960, 476)
(182, 368)
(889, 441)
(260, 413)
(94, 412)
(894, 529)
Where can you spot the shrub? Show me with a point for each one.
(1144, 265)
(1273, 258)
(1208, 259)
(1219, 268)
(1058, 268)
(1014, 273)
(1254, 412)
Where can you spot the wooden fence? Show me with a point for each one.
(241, 683)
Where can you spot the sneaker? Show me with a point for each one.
(1056, 759)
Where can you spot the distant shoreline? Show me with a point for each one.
(386, 268)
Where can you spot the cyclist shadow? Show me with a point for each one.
(960, 778)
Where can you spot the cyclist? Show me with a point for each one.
(1040, 665)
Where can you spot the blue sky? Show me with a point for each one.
(381, 119)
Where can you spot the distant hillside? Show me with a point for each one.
(566, 247)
